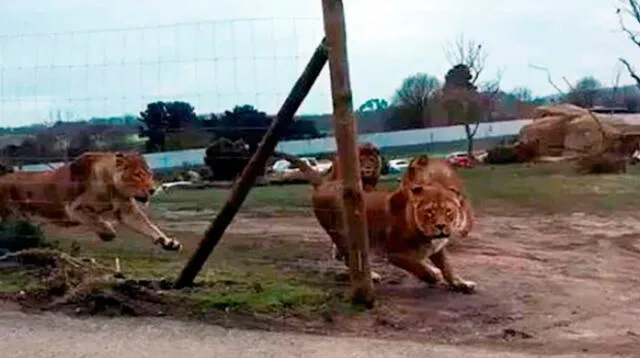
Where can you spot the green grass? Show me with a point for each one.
(545, 188)
(12, 281)
(260, 293)
(287, 199)
(550, 188)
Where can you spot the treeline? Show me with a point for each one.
(175, 125)
(162, 126)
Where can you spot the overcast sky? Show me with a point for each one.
(57, 56)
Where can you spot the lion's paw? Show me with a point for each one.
(337, 254)
(170, 244)
(463, 286)
(107, 236)
(344, 276)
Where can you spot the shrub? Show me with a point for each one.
(601, 163)
(20, 235)
(502, 155)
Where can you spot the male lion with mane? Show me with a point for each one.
(370, 169)
(405, 226)
(370, 166)
(96, 189)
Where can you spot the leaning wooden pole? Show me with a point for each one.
(266, 148)
(345, 132)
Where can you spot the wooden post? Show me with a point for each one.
(345, 132)
(242, 187)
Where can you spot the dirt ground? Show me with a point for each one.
(547, 284)
(56, 336)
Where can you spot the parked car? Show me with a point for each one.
(461, 160)
(398, 165)
(635, 157)
(284, 166)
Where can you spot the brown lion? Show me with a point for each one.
(370, 169)
(370, 166)
(424, 171)
(405, 226)
(96, 189)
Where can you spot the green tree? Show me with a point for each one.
(154, 120)
(162, 117)
(374, 104)
(179, 115)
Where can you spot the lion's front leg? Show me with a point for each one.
(441, 259)
(413, 263)
(132, 215)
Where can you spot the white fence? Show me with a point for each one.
(382, 140)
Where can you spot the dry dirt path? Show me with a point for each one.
(52, 335)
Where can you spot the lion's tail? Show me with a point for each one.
(314, 178)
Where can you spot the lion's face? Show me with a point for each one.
(370, 164)
(135, 177)
(436, 210)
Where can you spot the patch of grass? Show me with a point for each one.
(273, 199)
(12, 281)
(243, 275)
(552, 188)
(547, 188)
(263, 297)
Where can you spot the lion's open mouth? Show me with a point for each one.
(142, 199)
(440, 236)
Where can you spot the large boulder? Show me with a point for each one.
(568, 130)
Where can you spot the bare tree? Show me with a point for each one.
(469, 53)
(630, 8)
(416, 90)
(464, 100)
(413, 101)
(585, 92)
(522, 94)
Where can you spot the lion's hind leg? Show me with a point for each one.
(89, 216)
(339, 247)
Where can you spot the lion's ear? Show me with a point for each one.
(459, 196)
(372, 149)
(409, 174)
(422, 160)
(397, 202)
